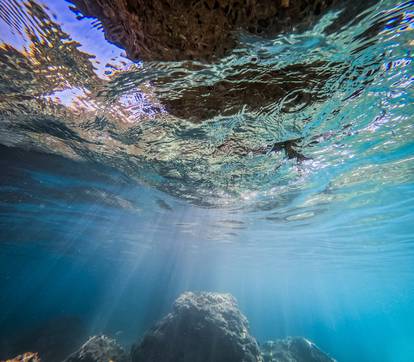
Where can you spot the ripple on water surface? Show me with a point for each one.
(322, 110)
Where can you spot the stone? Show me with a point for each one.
(293, 349)
(249, 87)
(26, 357)
(52, 339)
(172, 30)
(99, 349)
(203, 327)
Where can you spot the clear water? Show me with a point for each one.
(123, 185)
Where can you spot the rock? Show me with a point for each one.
(203, 327)
(26, 357)
(52, 339)
(249, 87)
(99, 349)
(203, 30)
(293, 349)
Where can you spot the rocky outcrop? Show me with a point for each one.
(194, 29)
(52, 339)
(249, 87)
(293, 349)
(99, 349)
(202, 327)
(25, 357)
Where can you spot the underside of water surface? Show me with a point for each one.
(279, 170)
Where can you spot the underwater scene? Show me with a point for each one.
(206, 181)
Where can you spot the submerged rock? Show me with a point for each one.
(99, 349)
(52, 339)
(293, 349)
(26, 357)
(202, 327)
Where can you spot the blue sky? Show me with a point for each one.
(91, 38)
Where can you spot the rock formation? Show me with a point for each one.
(249, 87)
(202, 327)
(194, 29)
(99, 349)
(293, 349)
(52, 339)
(25, 357)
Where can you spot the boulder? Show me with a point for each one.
(293, 349)
(202, 30)
(99, 349)
(202, 327)
(249, 88)
(52, 339)
(26, 357)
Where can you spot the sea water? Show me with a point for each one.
(121, 189)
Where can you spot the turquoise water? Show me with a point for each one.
(124, 184)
